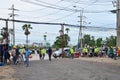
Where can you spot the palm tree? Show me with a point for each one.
(68, 38)
(26, 28)
(3, 32)
(67, 30)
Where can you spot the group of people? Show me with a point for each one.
(43, 51)
(103, 51)
(14, 55)
(20, 54)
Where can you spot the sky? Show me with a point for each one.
(96, 17)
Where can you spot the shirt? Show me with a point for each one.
(27, 53)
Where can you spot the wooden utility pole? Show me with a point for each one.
(7, 34)
(62, 28)
(118, 23)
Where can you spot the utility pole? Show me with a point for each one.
(118, 23)
(12, 15)
(80, 30)
(7, 34)
(62, 28)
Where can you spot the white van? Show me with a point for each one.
(58, 53)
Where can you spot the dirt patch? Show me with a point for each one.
(102, 60)
(6, 73)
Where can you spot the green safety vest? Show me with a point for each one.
(21, 51)
(96, 50)
(43, 51)
(71, 51)
(85, 50)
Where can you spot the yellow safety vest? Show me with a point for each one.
(43, 51)
(71, 51)
(96, 50)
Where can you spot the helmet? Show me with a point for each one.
(14, 46)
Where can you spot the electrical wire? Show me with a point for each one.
(59, 11)
(62, 17)
(52, 7)
(53, 13)
(41, 8)
(90, 4)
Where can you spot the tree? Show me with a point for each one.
(4, 32)
(26, 28)
(66, 39)
(86, 40)
(92, 41)
(58, 42)
(89, 40)
(67, 30)
(111, 41)
(99, 42)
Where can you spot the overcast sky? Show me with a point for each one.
(96, 13)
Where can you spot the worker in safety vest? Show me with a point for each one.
(96, 51)
(43, 52)
(72, 52)
(85, 51)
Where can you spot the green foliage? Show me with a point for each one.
(111, 41)
(26, 28)
(67, 30)
(89, 40)
(86, 40)
(58, 43)
(4, 32)
(99, 42)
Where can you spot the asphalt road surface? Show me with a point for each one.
(66, 69)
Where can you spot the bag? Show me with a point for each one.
(30, 56)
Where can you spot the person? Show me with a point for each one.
(27, 54)
(6, 56)
(85, 51)
(13, 53)
(72, 52)
(43, 52)
(111, 53)
(17, 55)
(21, 50)
(96, 51)
(39, 52)
(1, 53)
(49, 51)
(106, 50)
(90, 52)
(115, 52)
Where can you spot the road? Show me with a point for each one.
(66, 69)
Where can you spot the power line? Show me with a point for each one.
(90, 4)
(104, 11)
(46, 23)
(48, 6)
(69, 25)
(41, 8)
(59, 8)
(61, 17)
(53, 13)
